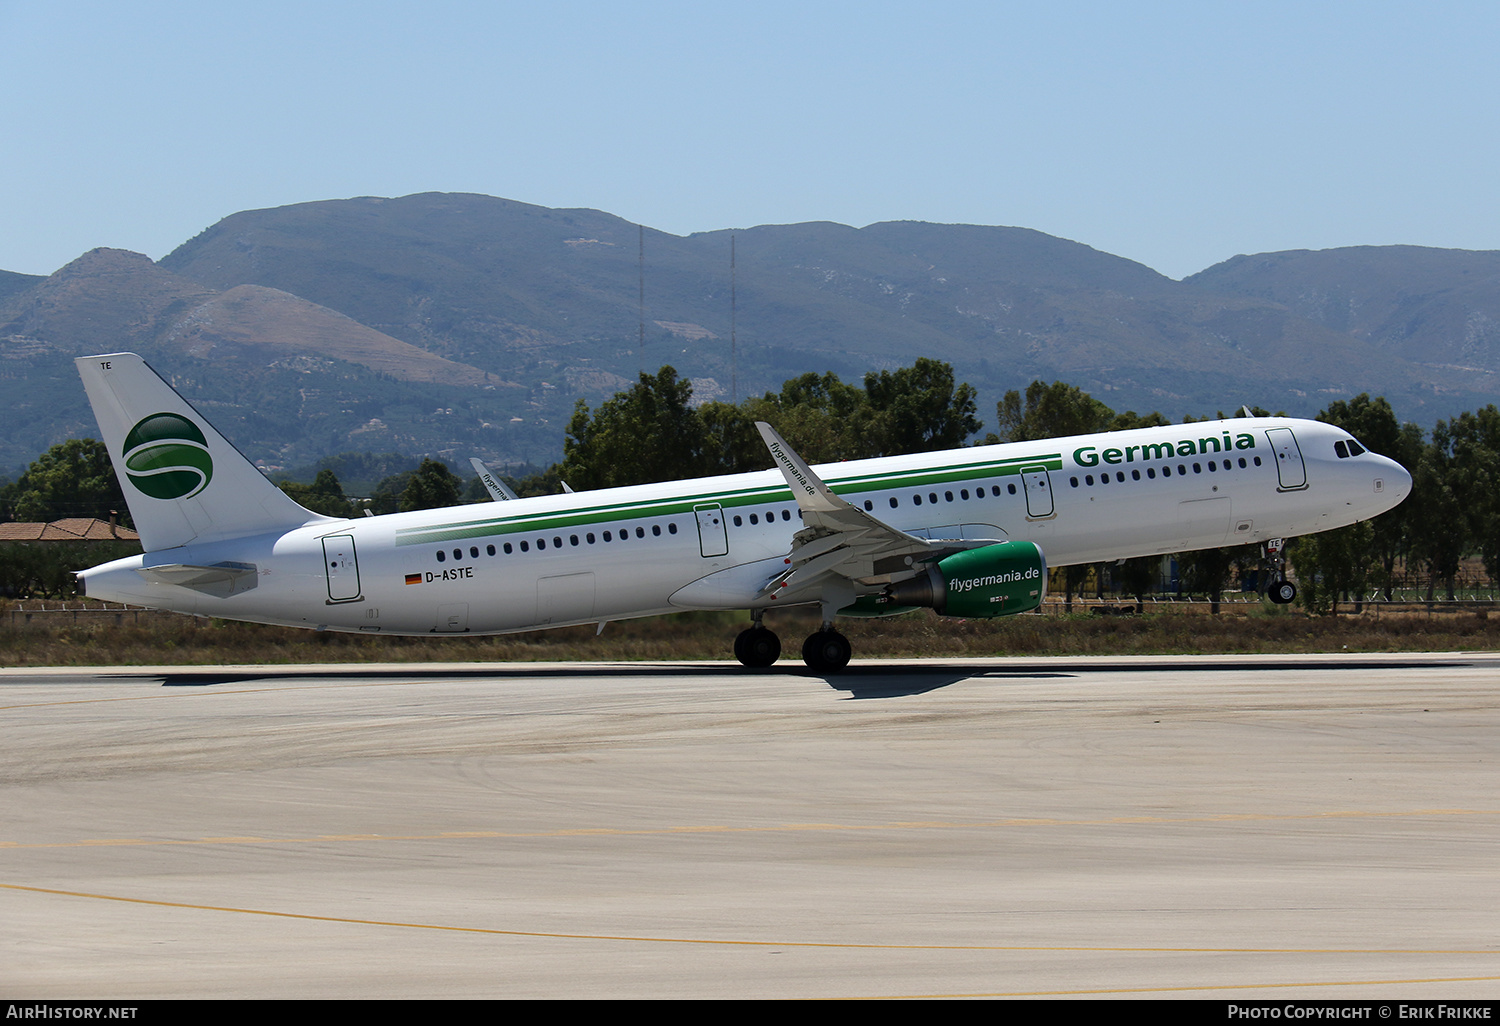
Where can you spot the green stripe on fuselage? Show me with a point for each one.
(733, 499)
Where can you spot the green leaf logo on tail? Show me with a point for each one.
(166, 456)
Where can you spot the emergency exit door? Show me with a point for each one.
(713, 539)
(1038, 484)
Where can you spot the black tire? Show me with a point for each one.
(757, 647)
(1282, 592)
(827, 652)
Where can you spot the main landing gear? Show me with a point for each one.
(757, 647)
(826, 651)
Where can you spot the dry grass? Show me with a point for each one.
(153, 639)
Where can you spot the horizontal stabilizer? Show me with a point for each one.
(219, 579)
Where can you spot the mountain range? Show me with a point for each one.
(457, 324)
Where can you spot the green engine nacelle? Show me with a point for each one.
(996, 580)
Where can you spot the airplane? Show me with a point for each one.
(966, 532)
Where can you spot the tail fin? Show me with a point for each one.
(183, 480)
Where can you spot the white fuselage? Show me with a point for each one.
(625, 552)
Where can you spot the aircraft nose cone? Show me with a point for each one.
(1397, 479)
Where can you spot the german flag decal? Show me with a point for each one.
(413, 578)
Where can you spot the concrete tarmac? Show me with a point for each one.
(1256, 828)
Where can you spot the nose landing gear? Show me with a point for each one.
(1280, 591)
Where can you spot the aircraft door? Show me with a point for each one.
(342, 568)
(1291, 472)
(713, 539)
(1203, 523)
(1038, 486)
(564, 597)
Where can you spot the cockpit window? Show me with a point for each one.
(1346, 447)
(1355, 448)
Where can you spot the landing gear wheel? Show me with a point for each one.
(1282, 592)
(757, 647)
(826, 652)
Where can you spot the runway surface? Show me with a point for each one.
(1211, 827)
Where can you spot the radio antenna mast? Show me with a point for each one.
(641, 244)
(734, 366)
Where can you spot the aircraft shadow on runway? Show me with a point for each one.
(886, 680)
(860, 682)
(901, 681)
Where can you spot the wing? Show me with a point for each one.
(838, 539)
(492, 484)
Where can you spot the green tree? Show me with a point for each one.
(431, 486)
(72, 479)
(1374, 423)
(1130, 420)
(653, 432)
(824, 419)
(824, 393)
(46, 569)
(1137, 576)
(1476, 466)
(649, 433)
(1439, 536)
(325, 495)
(1075, 577)
(1333, 564)
(728, 441)
(386, 498)
(1206, 571)
(1049, 411)
(538, 482)
(918, 409)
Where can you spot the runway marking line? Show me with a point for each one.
(1227, 817)
(1184, 989)
(1080, 948)
(162, 692)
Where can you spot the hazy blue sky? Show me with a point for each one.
(1176, 134)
